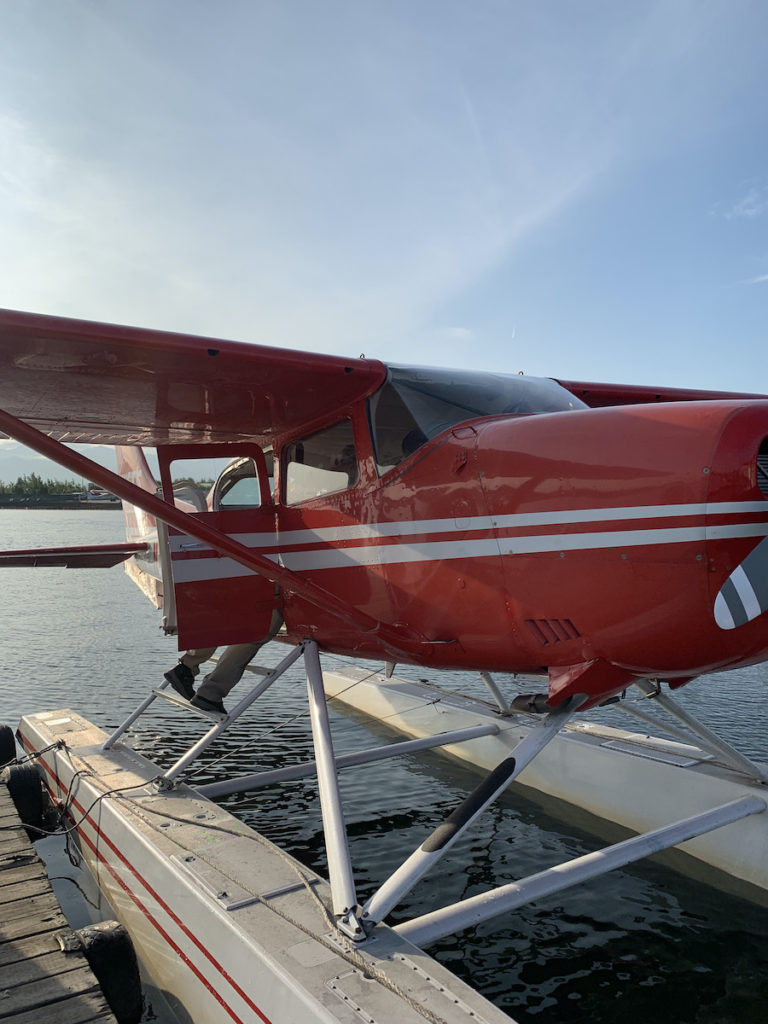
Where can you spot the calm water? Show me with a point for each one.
(643, 943)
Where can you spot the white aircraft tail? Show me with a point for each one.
(152, 570)
(132, 465)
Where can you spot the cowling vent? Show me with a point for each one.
(552, 631)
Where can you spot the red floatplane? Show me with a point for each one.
(596, 537)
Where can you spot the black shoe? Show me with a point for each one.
(180, 677)
(208, 705)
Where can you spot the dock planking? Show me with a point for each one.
(39, 983)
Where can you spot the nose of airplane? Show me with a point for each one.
(741, 466)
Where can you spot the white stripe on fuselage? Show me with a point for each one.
(470, 524)
(330, 557)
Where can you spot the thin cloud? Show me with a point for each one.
(459, 333)
(753, 204)
(762, 279)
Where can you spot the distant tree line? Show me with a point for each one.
(32, 483)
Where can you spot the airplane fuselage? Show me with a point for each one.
(439, 517)
(591, 543)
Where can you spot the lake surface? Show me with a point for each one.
(644, 943)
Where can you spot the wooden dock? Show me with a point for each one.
(39, 983)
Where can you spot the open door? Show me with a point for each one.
(219, 601)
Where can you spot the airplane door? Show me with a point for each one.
(218, 600)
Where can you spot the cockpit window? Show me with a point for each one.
(417, 403)
(238, 486)
(322, 463)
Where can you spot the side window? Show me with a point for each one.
(214, 484)
(322, 463)
(238, 486)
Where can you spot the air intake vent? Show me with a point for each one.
(762, 467)
(552, 631)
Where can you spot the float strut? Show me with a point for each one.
(423, 931)
(503, 705)
(732, 757)
(342, 881)
(421, 860)
(309, 768)
(132, 717)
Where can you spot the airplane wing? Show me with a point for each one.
(81, 381)
(599, 395)
(93, 556)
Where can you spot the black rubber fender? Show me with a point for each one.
(112, 958)
(7, 745)
(26, 789)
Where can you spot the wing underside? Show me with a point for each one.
(92, 556)
(89, 382)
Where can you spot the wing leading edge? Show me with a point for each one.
(601, 395)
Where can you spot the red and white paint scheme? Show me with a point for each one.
(596, 536)
(597, 533)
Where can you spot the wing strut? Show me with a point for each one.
(393, 639)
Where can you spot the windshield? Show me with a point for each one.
(417, 403)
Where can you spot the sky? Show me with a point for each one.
(571, 188)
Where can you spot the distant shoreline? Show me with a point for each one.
(42, 501)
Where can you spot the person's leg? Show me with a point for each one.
(231, 666)
(194, 659)
(182, 675)
(228, 671)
